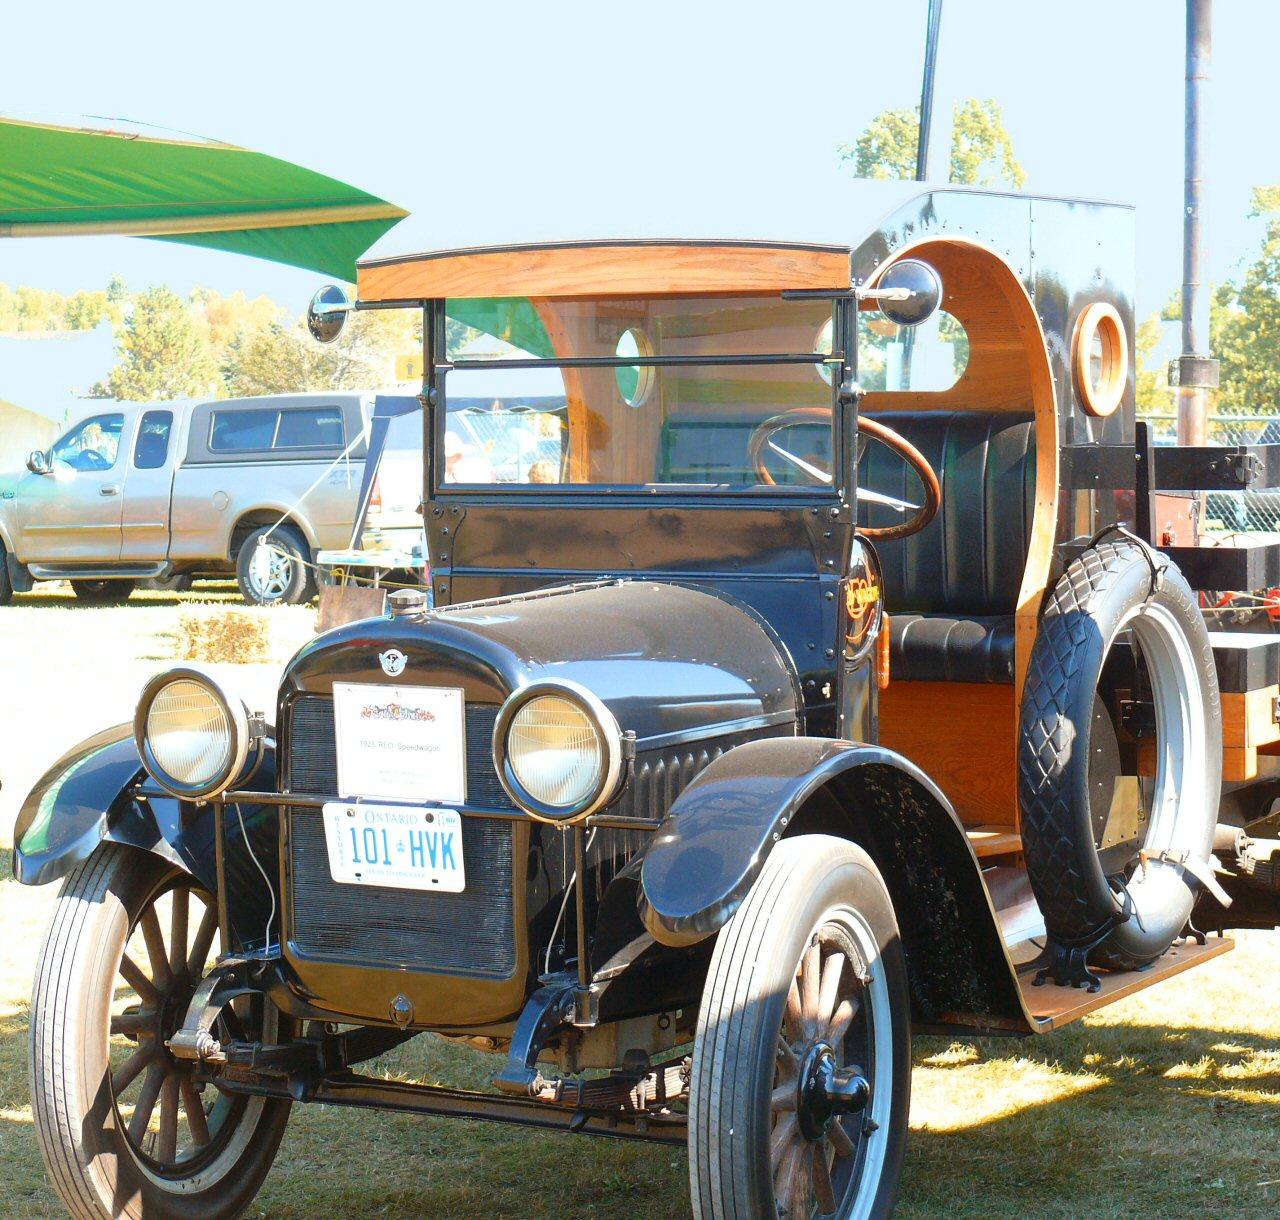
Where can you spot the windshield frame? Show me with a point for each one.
(435, 377)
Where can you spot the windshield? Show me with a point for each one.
(543, 392)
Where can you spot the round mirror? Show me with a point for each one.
(327, 313)
(909, 292)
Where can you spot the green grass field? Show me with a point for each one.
(1165, 1105)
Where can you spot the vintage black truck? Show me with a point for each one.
(813, 690)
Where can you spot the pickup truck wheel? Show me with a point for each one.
(6, 585)
(103, 592)
(802, 1063)
(272, 567)
(125, 1128)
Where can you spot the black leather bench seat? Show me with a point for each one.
(951, 590)
(940, 648)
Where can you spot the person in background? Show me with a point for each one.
(543, 471)
(462, 464)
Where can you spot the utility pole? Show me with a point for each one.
(1195, 372)
(924, 169)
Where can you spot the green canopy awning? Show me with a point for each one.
(118, 179)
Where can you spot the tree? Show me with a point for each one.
(1154, 395)
(981, 148)
(164, 351)
(282, 358)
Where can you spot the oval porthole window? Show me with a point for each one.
(822, 346)
(634, 380)
(1100, 359)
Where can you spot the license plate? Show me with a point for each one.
(395, 846)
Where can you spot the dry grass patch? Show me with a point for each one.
(237, 636)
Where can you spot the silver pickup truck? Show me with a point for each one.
(171, 491)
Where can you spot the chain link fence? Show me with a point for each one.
(1231, 511)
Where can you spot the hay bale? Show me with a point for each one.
(240, 635)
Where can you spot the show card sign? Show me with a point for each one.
(400, 743)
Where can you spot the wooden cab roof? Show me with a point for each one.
(652, 267)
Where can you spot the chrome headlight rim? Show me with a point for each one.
(237, 713)
(607, 730)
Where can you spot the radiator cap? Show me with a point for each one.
(406, 602)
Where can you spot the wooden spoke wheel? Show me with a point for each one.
(126, 1128)
(801, 1069)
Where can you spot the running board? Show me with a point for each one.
(1051, 1007)
(133, 571)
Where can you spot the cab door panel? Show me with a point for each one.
(148, 488)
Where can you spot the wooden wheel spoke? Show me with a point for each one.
(199, 957)
(167, 1143)
(832, 971)
(786, 1184)
(841, 1021)
(130, 1070)
(810, 980)
(783, 1139)
(178, 933)
(134, 975)
(132, 1021)
(794, 1019)
(823, 1191)
(784, 1098)
(156, 951)
(788, 1060)
(146, 1103)
(194, 1106)
(802, 1181)
(840, 1140)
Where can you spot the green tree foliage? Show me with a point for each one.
(26, 309)
(280, 358)
(1154, 395)
(982, 151)
(164, 351)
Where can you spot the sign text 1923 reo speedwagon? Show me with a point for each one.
(766, 711)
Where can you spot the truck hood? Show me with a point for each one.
(671, 662)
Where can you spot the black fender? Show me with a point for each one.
(90, 796)
(721, 829)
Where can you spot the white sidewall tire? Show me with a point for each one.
(805, 882)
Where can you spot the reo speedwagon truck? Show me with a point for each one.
(808, 687)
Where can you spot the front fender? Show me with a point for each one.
(87, 797)
(721, 829)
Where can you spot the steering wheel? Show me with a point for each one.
(762, 441)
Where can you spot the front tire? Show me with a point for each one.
(806, 992)
(125, 1129)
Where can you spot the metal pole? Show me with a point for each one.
(926, 91)
(1197, 372)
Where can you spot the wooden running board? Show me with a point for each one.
(994, 841)
(1052, 1007)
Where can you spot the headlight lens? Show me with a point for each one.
(193, 737)
(560, 753)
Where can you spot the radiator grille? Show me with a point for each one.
(471, 933)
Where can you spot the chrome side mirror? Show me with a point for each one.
(327, 313)
(38, 462)
(908, 293)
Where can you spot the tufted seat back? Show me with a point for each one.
(969, 560)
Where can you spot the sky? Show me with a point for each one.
(463, 110)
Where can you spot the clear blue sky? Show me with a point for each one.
(499, 106)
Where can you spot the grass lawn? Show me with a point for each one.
(1167, 1104)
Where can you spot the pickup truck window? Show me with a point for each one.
(310, 428)
(151, 449)
(92, 445)
(252, 430)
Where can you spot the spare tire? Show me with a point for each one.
(1119, 603)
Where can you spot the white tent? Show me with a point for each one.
(44, 376)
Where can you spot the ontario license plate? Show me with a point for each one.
(395, 846)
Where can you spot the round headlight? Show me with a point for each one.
(558, 750)
(192, 736)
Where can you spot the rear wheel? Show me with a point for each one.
(125, 1128)
(6, 585)
(802, 1064)
(272, 567)
(103, 592)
